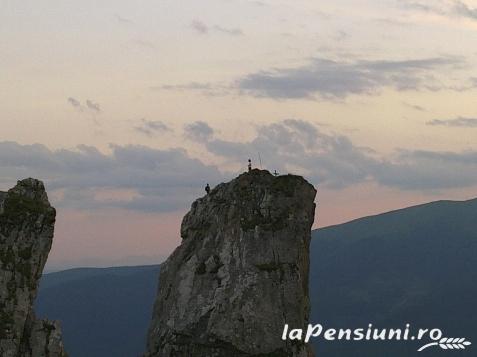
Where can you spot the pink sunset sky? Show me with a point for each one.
(126, 109)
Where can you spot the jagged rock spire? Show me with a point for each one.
(26, 231)
(240, 274)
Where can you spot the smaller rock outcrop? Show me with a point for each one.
(26, 232)
(240, 274)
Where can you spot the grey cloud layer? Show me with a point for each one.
(89, 105)
(330, 79)
(95, 107)
(166, 180)
(163, 180)
(428, 170)
(464, 10)
(198, 131)
(457, 122)
(209, 89)
(203, 29)
(229, 31)
(297, 146)
(152, 127)
(75, 103)
(335, 162)
(455, 8)
(335, 79)
(199, 27)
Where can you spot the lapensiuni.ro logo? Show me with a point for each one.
(428, 337)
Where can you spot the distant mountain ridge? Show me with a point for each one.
(415, 265)
(105, 311)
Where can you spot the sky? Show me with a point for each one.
(125, 109)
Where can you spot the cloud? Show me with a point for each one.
(334, 161)
(160, 180)
(203, 29)
(258, 3)
(75, 103)
(341, 35)
(457, 122)
(415, 107)
(141, 178)
(424, 6)
(208, 89)
(299, 147)
(229, 31)
(198, 131)
(188, 86)
(89, 107)
(452, 9)
(152, 127)
(95, 107)
(199, 27)
(429, 170)
(144, 44)
(123, 20)
(463, 10)
(335, 79)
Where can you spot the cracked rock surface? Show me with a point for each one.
(240, 273)
(26, 232)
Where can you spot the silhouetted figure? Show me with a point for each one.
(275, 173)
(207, 188)
(249, 165)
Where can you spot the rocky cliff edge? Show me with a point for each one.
(240, 274)
(26, 232)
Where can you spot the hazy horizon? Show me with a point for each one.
(137, 261)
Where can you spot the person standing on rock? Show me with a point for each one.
(207, 188)
(249, 165)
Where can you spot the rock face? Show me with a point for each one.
(240, 274)
(26, 232)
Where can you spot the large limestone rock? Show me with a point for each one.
(26, 232)
(240, 274)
